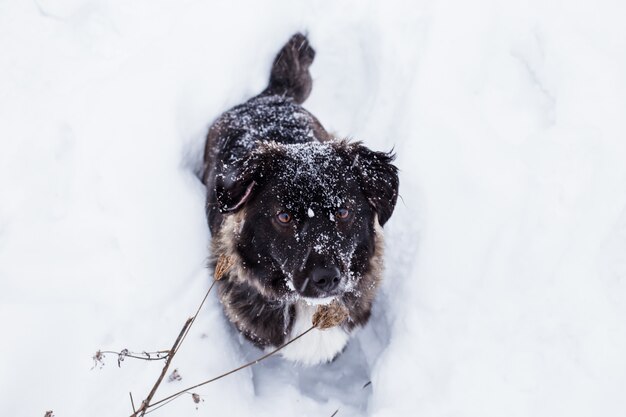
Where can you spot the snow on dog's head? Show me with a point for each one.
(311, 215)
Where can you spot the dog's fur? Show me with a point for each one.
(269, 156)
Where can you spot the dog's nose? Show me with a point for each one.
(325, 279)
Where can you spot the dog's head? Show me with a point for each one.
(309, 214)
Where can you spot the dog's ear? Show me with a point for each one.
(378, 178)
(237, 182)
(233, 188)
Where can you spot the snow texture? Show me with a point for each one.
(506, 257)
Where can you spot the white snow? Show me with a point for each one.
(310, 212)
(506, 257)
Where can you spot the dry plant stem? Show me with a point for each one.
(132, 403)
(254, 362)
(197, 312)
(145, 404)
(143, 358)
(224, 263)
(325, 317)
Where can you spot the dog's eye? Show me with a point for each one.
(283, 217)
(343, 213)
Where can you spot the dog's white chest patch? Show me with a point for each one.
(317, 346)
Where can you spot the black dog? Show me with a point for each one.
(297, 211)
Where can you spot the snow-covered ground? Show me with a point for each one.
(505, 288)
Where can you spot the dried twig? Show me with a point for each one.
(197, 312)
(224, 263)
(325, 317)
(331, 315)
(132, 402)
(125, 353)
(254, 362)
(145, 404)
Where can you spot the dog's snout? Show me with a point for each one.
(326, 278)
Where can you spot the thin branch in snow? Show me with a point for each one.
(132, 402)
(325, 317)
(254, 362)
(125, 353)
(146, 403)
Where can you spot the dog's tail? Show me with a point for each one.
(290, 72)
